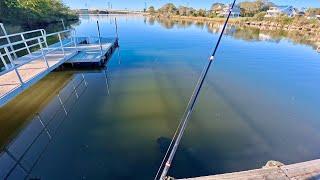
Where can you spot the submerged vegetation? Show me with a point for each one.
(34, 12)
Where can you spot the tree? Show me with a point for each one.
(168, 8)
(151, 10)
(202, 13)
(249, 8)
(216, 7)
(30, 12)
(182, 10)
(313, 11)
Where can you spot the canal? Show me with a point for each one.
(260, 102)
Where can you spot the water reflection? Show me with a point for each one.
(18, 159)
(241, 32)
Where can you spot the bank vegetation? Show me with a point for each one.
(34, 12)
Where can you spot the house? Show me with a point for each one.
(83, 11)
(299, 12)
(225, 11)
(276, 11)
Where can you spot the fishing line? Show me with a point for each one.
(172, 149)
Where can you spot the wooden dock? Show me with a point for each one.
(20, 72)
(273, 170)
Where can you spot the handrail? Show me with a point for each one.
(18, 34)
(20, 42)
(60, 32)
(38, 41)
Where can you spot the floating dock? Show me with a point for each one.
(18, 72)
(273, 170)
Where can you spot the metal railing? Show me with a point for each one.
(36, 47)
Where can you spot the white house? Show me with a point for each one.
(235, 11)
(280, 10)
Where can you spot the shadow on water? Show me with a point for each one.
(19, 157)
(186, 158)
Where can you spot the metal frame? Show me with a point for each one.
(30, 45)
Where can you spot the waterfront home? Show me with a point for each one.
(314, 17)
(83, 11)
(276, 11)
(299, 12)
(225, 11)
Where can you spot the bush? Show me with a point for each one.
(260, 16)
(32, 12)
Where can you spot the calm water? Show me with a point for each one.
(260, 102)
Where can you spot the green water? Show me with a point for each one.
(260, 102)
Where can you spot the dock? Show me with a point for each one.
(273, 170)
(27, 57)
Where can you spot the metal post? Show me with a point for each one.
(107, 82)
(4, 62)
(44, 36)
(25, 43)
(75, 89)
(116, 23)
(99, 37)
(44, 127)
(61, 103)
(12, 63)
(43, 55)
(75, 39)
(85, 82)
(8, 39)
(61, 44)
(64, 27)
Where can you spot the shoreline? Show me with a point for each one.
(307, 34)
(249, 21)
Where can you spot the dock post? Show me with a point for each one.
(4, 62)
(116, 23)
(14, 67)
(99, 35)
(107, 82)
(61, 44)
(43, 55)
(64, 27)
(25, 43)
(44, 36)
(8, 39)
(75, 39)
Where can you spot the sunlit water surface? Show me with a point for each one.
(260, 102)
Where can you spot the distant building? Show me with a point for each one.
(314, 17)
(276, 11)
(225, 11)
(83, 11)
(299, 12)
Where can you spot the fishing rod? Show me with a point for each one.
(172, 149)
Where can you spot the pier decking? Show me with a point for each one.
(20, 72)
(301, 171)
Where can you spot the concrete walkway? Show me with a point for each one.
(273, 170)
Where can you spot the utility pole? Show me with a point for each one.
(145, 7)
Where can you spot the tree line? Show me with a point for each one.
(34, 12)
(247, 9)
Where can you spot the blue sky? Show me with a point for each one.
(139, 4)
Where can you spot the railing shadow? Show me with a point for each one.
(19, 158)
